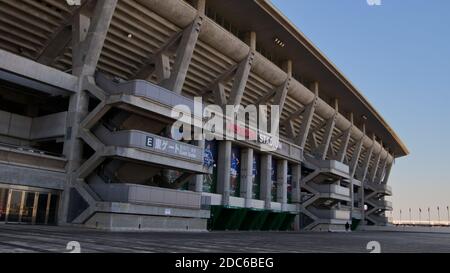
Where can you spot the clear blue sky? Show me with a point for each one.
(398, 55)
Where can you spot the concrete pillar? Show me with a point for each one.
(296, 177)
(250, 39)
(223, 171)
(287, 67)
(387, 172)
(247, 176)
(296, 192)
(282, 172)
(266, 179)
(200, 5)
(196, 183)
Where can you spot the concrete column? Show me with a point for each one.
(387, 172)
(296, 192)
(287, 67)
(223, 171)
(197, 181)
(78, 109)
(282, 172)
(247, 175)
(89, 30)
(250, 39)
(200, 5)
(296, 177)
(266, 179)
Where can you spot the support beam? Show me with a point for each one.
(250, 39)
(61, 38)
(86, 52)
(308, 115)
(290, 130)
(345, 141)
(282, 169)
(89, 32)
(355, 158)
(279, 99)
(247, 176)
(375, 165)
(151, 65)
(56, 47)
(200, 5)
(382, 169)
(162, 68)
(224, 170)
(365, 167)
(344, 145)
(303, 133)
(281, 93)
(266, 180)
(184, 56)
(388, 172)
(322, 149)
(198, 179)
(296, 178)
(240, 79)
(219, 94)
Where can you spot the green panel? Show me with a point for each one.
(215, 214)
(355, 223)
(287, 223)
(225, 218)
(236, 218)
(269, 221)
(259, 221)
(279, 220)
(249, 219)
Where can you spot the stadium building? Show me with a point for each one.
(86, 94)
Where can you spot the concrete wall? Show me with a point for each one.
(23, 127)
(139, 194)
(24, 176)
(127, 222)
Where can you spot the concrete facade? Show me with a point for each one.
(86, 117)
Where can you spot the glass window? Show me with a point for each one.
(41, 208)
(27, 210)
(14, 206)
(53, 211)
(3, 203)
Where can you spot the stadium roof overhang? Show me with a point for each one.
(42, 37)
(269, 23)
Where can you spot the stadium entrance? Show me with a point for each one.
(25, 205)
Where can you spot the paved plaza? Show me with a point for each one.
(22, 238)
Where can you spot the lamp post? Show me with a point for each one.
(410, 218)
(439, 216)
(420, 216)
(400, 222)
(429, 216)
(448, 216)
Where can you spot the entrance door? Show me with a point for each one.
(3, 203)
(14, 206)
(42, 208)
(28, 207)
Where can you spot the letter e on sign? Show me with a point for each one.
(149, 142)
